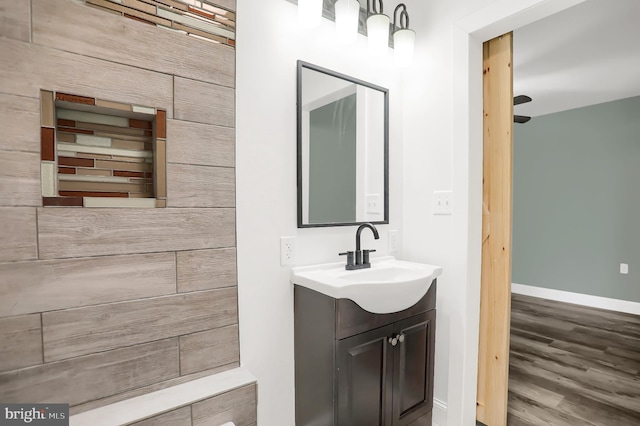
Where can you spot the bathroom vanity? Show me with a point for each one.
(358, 368)
(364, 330)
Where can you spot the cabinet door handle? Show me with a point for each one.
(401, 338)
(393, 341)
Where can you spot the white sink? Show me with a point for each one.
(390, 285)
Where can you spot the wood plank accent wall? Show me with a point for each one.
(82, 33)
(134, 299)
(238, 406)
(224, 408)
(14, 16)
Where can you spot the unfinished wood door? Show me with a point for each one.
(495, 300)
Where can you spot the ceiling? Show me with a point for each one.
(585, 55)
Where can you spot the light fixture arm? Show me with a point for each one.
(374, 6)
(403, 16)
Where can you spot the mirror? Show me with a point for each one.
(343, 149)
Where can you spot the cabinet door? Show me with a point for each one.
(413, 368)
(364, 386)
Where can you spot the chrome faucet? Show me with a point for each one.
(361, 258)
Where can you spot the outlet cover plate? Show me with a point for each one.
(394, 242)
(287, 251)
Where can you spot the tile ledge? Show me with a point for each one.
(165, 400)
(115, 202)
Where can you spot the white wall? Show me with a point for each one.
(429, 166)
(443, 150)
(435, 140)
(268, 46)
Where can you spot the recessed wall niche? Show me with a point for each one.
(98, 153)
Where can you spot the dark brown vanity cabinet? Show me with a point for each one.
(355, 368)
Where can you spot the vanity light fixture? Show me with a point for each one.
(377, 28)
(347, 14)
(347, 19)
(404, 39)
(310, 13)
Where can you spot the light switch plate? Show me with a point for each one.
(374, 204)
(624, 268)
(442, 202)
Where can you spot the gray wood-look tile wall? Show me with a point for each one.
(237, 406)
(133, 299)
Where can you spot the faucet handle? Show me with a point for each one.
(365, 256)
(349, 255)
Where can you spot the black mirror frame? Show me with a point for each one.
(300, 66)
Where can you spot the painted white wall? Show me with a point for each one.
(268, 46)
(429, 166)
(436, 144)
(443, 150)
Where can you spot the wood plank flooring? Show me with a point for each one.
(572, 365)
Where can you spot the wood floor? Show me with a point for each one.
(572, 365)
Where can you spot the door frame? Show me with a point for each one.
(469, 34)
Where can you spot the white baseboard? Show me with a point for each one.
(577, 298)
(439, 417)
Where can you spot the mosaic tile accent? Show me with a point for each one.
(113, 105)
(46, 109)
(47, 144)
(107, 150)
(48, 178)
(75, 99)
(62, 201)
(140, 203)
(203, 19)
(160, 168)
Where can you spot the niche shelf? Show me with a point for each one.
(98, 153)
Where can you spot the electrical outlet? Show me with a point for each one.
(287, 251)
(394, 243)
(442, 202)
(624, 268)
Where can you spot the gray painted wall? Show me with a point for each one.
(577, 200)
(332, 162)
